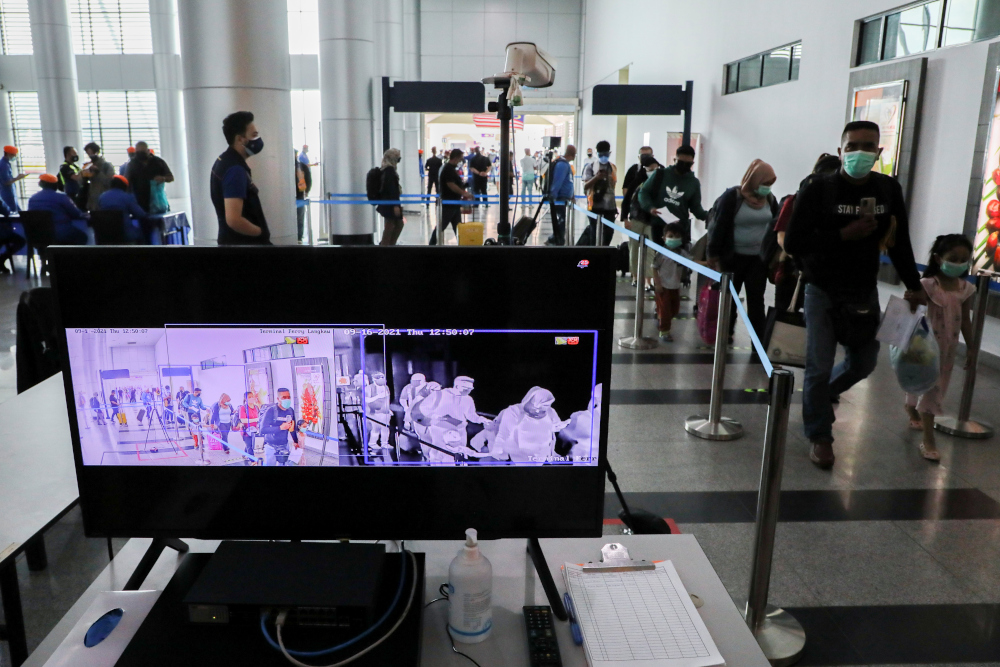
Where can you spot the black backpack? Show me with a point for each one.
(373, 183)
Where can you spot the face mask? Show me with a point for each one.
(682, 167)
(650, 172)
(763, 190)
(75, 158)
(673, 244)
(254, 146)
(285, 403)
(857, 164)
(953, 270)
(604, 159)
(590, 155)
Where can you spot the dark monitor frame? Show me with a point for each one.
(487, 288)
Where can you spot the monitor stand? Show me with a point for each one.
(548, 584)
(149, 560)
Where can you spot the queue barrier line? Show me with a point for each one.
(697, 268)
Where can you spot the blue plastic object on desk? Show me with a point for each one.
(574, 625)
(103, 627)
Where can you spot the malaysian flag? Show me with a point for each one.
(491, 120)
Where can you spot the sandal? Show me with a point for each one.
(915, 424)
(930, 455)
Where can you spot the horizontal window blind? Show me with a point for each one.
(15, 28)
(117, 119)
(26, 123)
(110, 26)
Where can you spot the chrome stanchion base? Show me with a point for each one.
(967, 429)
(781, 637)
(702, 427)
(633, 343)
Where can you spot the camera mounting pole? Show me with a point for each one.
(503, 111)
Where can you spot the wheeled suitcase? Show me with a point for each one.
(471, 233)
(708, 312)
(142, 413)
(525, 226)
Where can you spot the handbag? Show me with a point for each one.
(855, 323)
(157, 199)
(787, 345)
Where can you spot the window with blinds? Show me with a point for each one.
(15, 29)
(117, 119)
(110, 26)
(26, 124)
(303, 26)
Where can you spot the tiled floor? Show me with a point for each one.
(886, 559)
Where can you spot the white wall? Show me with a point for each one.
(790, 124)
(464, 40)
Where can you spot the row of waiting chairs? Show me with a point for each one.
(39, 232)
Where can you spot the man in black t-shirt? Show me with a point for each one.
(480, 166)
(433, 167)
(143, 169)
(452, 193)
(839, 227)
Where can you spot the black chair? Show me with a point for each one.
(109, 227)
(39, 234)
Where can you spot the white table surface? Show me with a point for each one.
(514, 584)
(37, 472)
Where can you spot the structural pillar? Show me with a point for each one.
(389, 62)
(55, 71)
(169, 99)
(411, 121)
(346, 80)
(234, 57)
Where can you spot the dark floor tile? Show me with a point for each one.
(707, 357)
(687, 506)
(754, 395)
(826, 644)
(919, 634)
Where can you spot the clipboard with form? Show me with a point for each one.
(639, 618)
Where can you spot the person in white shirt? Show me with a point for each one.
(527, 176)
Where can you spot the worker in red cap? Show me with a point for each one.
(8, 179)
(70, 222)
(118, 198)
(124, 166)
(10, 241)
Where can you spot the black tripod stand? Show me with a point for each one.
(153, 412)
(637, 521)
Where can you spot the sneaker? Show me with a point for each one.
(822, 454)
(666, 337)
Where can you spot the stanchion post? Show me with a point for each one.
(962, 426)
(715, 426)
(779, 635)
(440, 229)
(636, 341)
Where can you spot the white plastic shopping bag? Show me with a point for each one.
(918, 367)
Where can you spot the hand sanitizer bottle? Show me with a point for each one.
(470, 589)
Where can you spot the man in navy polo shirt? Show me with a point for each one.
(234, 195)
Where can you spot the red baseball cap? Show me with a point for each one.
(130, 150)
(48, 178)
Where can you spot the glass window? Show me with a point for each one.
(303, 26)
(15, 28)
(732, 78)
(110, 26)
(117, 119)
(796, 60)
(776, 66)
(749, 77)
(959, 22)
(871, 34)
(306, 116)
(912, 30)
(26, 126)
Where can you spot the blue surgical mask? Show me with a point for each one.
(953, 270)
(857, 164)
(254, 146)
(673, 243)
(763, 190)
(604, 159)
(285, 403)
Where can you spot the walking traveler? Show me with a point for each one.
(599, 180)
(392, 214)
(144, 170)
(451, 193)
(234, 195)
(677, 190)
(560, 193)
(433, 166)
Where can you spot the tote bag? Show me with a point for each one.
(788, 337)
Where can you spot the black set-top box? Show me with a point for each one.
(322, 584)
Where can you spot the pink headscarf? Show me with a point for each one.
(758, 173)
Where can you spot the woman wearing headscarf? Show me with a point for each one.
(390, 191)
(526, 431)
(744, 214)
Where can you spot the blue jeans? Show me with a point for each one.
(822, 380)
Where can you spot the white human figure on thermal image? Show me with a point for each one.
(377, 398)
(409, 395)
(526, 431)
(446, 414)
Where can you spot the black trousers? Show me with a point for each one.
(749, 274)
(558, 212)
(450, 215)
(432, 184)
(479, 188)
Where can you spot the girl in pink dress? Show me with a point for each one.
(948, 308)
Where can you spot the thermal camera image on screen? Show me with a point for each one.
(335, 395)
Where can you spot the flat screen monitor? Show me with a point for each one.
(321, 393)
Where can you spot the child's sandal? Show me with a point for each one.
(930, 455)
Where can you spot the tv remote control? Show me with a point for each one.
(543, 647)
